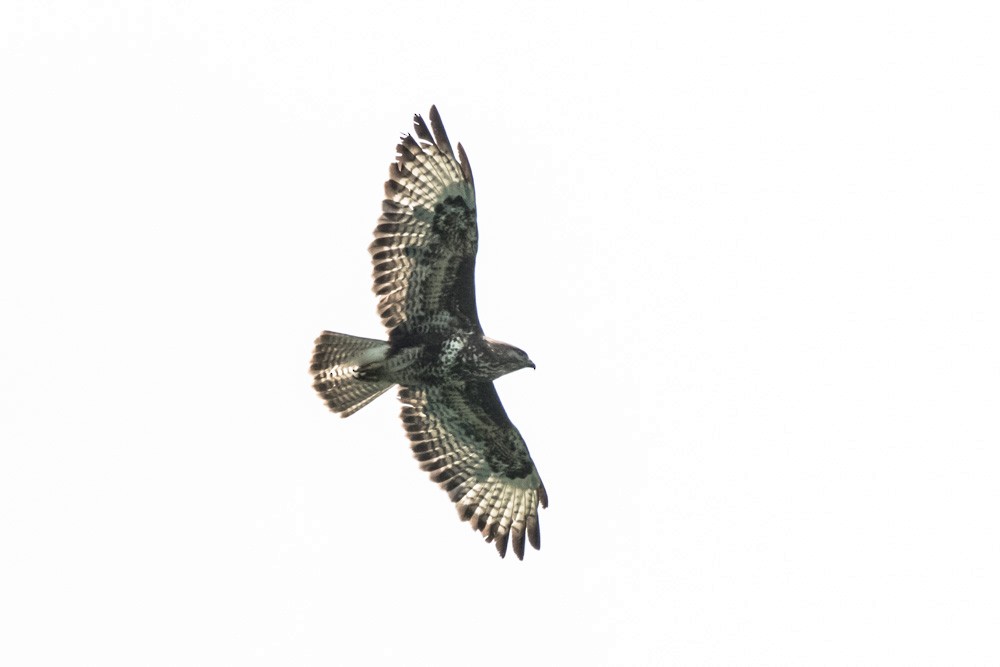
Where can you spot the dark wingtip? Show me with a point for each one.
(440, 136)
(421, 127)
(534, 533)
(463, 160)
(502, 544)
(519, 544)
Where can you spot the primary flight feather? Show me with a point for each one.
(424, 258)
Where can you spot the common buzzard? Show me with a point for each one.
(424, 254)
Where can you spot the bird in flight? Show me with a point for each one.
(424, 257)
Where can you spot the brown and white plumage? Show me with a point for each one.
(424, 252)
(424, 256)
(461, 435)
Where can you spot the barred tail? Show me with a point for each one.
(335, 364)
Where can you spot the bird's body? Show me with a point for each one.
(424, 262)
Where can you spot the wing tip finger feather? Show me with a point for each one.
(440, 136)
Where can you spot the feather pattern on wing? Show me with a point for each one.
(424, 252)
(461, 435)
(424, 259)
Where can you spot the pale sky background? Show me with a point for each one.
(752, 247)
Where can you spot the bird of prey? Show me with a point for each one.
(424, 257)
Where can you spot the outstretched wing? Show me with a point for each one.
(424, 253)
(460, 433)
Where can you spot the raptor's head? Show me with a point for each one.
(502, 358)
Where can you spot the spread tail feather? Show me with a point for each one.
(335, 365)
